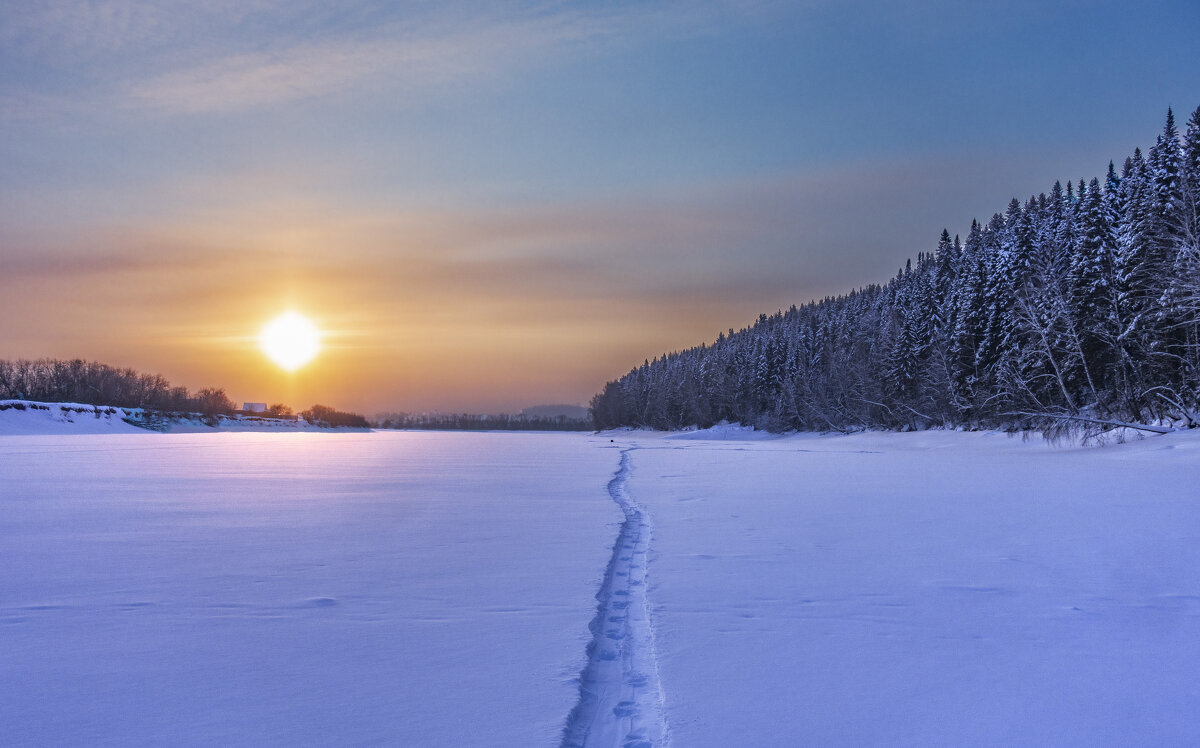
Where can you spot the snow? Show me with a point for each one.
(24, 417)
(932, 588)
(723, 431)
(297, 589)
(452, 589)
(620, 695)
(256, 424)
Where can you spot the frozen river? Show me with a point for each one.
(390, 588)
(441, 589)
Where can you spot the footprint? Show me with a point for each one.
(320, 602)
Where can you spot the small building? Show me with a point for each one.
(254, 407)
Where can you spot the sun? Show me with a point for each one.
(290, 340)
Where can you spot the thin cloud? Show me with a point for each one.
(764, 241)
(399, 57)
(71, 30)
(188, 58)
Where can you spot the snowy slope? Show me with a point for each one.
(24, 417)
(29, 418)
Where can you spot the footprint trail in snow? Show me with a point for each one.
(620, 696)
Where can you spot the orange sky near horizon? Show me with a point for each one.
(398, 333)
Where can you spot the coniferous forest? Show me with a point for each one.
(1081, 305)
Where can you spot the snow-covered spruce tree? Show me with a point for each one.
(970, 319)
(1183, 291)
(1091, 282)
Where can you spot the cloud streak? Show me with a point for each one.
(745, 243)
(151, 58)
(311, 70)
(70, 31)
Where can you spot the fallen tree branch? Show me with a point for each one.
(1184, 413)
(1115, 424)
(893, 413)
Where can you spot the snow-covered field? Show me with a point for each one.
(297, 589)
(442, 589)
(926, 589)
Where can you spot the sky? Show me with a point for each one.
(486, 206)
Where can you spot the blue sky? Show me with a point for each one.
(489, 206)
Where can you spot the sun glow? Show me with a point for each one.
(290, 340)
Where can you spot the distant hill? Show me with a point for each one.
(574, 412)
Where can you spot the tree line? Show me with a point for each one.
(94, 383)
(323, 415)
(1078, 305)
(480, 422)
